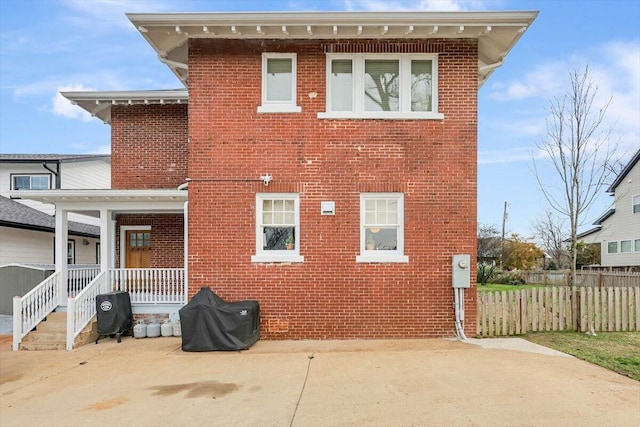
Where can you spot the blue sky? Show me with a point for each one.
(51, 45)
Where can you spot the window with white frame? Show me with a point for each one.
(279, 83)
(636, 245)
(71, 251)
(31, 182)
(625, 246)
(636, 204)
(382, 228)
(277, 228)
(612, 247)
(382, 86)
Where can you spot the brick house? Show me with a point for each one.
(330, 160)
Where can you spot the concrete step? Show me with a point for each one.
(42, 345)
(39, 335)
(55, 322)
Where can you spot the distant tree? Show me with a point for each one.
(551, 233)
(520, 254)
(580, 152)
(488, 252)
(588, 254)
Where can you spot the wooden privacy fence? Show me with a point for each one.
(602, 279)
(562, 308)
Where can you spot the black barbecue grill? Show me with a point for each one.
(114, 314)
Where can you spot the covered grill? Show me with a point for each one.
(209, 323)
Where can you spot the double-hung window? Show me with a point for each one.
(31, 182)
(279, 83)
(277, 228)
(635, 204)
(389, 86)
(382, 228)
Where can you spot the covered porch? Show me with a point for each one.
(143, 251)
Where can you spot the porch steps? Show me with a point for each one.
(51, 334)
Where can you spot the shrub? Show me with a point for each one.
(509, 278)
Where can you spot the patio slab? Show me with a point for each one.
(310, 383)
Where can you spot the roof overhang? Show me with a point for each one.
(157, 201)
(497, 32)
(99, 104)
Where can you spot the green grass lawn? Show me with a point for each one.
(616, 351)
(492, 287)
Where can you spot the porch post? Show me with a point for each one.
(105, 240)
(61, 248)
(186, 252)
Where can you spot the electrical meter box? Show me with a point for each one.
(461, 271)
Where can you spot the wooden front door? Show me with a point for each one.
(138, 249)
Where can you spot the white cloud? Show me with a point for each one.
(63, 107)
(426, 5)
(541, 82)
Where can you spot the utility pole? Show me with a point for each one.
(504, 222)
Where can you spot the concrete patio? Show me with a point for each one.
(312, 383)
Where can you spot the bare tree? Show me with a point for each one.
(551, 232)
(580, 151)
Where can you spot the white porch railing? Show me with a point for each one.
(79, 278)
(33, 307)
(150, 285)
(82, 307)
(145, 286)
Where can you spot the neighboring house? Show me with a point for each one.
(26, 237)
(330, 160)
(27, 227)
(53, 171)
(618, 229)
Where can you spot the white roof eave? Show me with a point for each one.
(497, 32)
(91, 196)
(99, 104)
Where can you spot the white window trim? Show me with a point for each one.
(279, 106)
(632, 202)
(405, 94)
(396, 256)
(123, 240)
(283, 256)
(13, 177)
(634, 246)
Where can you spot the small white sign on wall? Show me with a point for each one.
(328, 208)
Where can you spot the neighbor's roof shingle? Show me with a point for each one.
(17, 215)
(48, 157)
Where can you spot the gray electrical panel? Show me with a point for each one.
(461, 271)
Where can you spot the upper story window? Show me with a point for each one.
(636, 203)
(31, 182)
(612, 247)
(390, 86)
(279, 83)
(277, 228)
(382, 228)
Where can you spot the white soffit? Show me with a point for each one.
(497, 32)
(99, 104)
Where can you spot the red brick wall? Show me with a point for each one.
(148, 146)
(329, 296)
(167, 238)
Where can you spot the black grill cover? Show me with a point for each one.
(209, 323)
(114, 313)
